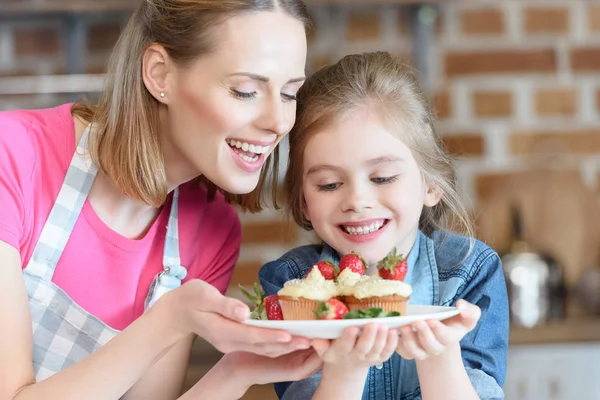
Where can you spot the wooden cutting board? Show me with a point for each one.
(560, 216)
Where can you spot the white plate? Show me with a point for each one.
(334, 329)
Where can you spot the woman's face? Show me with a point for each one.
(230, 108)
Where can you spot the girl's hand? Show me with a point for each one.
(253, 369)
(198, 307)
(353, 352)
(432, 338)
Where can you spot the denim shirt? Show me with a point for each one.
(441, 270)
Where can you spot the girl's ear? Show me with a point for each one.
(432, 196)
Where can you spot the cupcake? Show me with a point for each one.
(346, 281)
(298, 297)
(389, 295)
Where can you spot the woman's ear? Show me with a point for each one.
(156, 66)
(432, 196)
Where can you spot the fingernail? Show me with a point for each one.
(241, 313)
(284, 339)
(462, 306)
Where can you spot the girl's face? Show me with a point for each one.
(228, 111)
(363, 189)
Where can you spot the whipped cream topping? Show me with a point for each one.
(313, 287)
(375, 287)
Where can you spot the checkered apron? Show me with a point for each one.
(63, 332)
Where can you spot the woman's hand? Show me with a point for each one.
(358, 351)
(427, 339)
(259, 370)
(198, 307)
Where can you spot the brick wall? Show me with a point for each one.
(515, 83)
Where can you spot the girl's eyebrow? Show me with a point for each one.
(391, 159)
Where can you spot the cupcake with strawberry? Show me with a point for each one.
(386, 290)
(298, 298)
(352, 270)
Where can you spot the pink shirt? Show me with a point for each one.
(105, 273)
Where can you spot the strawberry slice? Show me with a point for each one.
(327, 268)
(393, 266)
(273, 308)
(354, 263)
(264, 307)
(331, 309)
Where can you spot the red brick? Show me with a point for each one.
(489, 21)
(265, 232)
(318, 62)
(103, 37)
(585, 59)
(593, 13)
(245, 274)
(464, 145)
(40, 41)
(492, 104)
(572, 142)
(363, 25)
(550, 102)
(442, 105)
(501, 62)
(546, 20)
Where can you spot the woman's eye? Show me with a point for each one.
(384, 180)
(328, 187)
(243, 95)
(289, 97)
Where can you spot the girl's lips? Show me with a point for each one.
(364, 237)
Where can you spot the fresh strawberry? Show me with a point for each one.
(273, 308)
(264, 307)
(331, 309)
(328, 269)
(393, 266)
(354, 263)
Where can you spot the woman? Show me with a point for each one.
(93, 237)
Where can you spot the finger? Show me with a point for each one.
(410, 342)
(346, 343)
(400, 349)
(312, 364)
(469, 314)
(211, 300)
(228, 336)
(428, 340)
(379, 343)
(367, 338)
(321, 346)
(276, 350)
(390, 345)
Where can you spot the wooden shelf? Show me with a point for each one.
(8, 7)
(11, 7)
(43, 84)
(573, 330)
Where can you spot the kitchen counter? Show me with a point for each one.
(571, 330)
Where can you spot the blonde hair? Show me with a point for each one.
(126, 144)
(389, 87)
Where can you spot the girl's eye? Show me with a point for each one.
(328, 187)
(384, 180)
(243, 95)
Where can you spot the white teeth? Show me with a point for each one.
(248, 147)
(249, 159)
(363, 230)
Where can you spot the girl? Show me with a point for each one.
(101, 212)
(365, 157)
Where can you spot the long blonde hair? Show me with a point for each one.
(126, 145)
(390, 87)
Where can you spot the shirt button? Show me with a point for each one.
(379, 366)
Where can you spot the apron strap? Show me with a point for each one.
(63, 216)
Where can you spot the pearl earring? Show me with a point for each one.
(162, 94)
